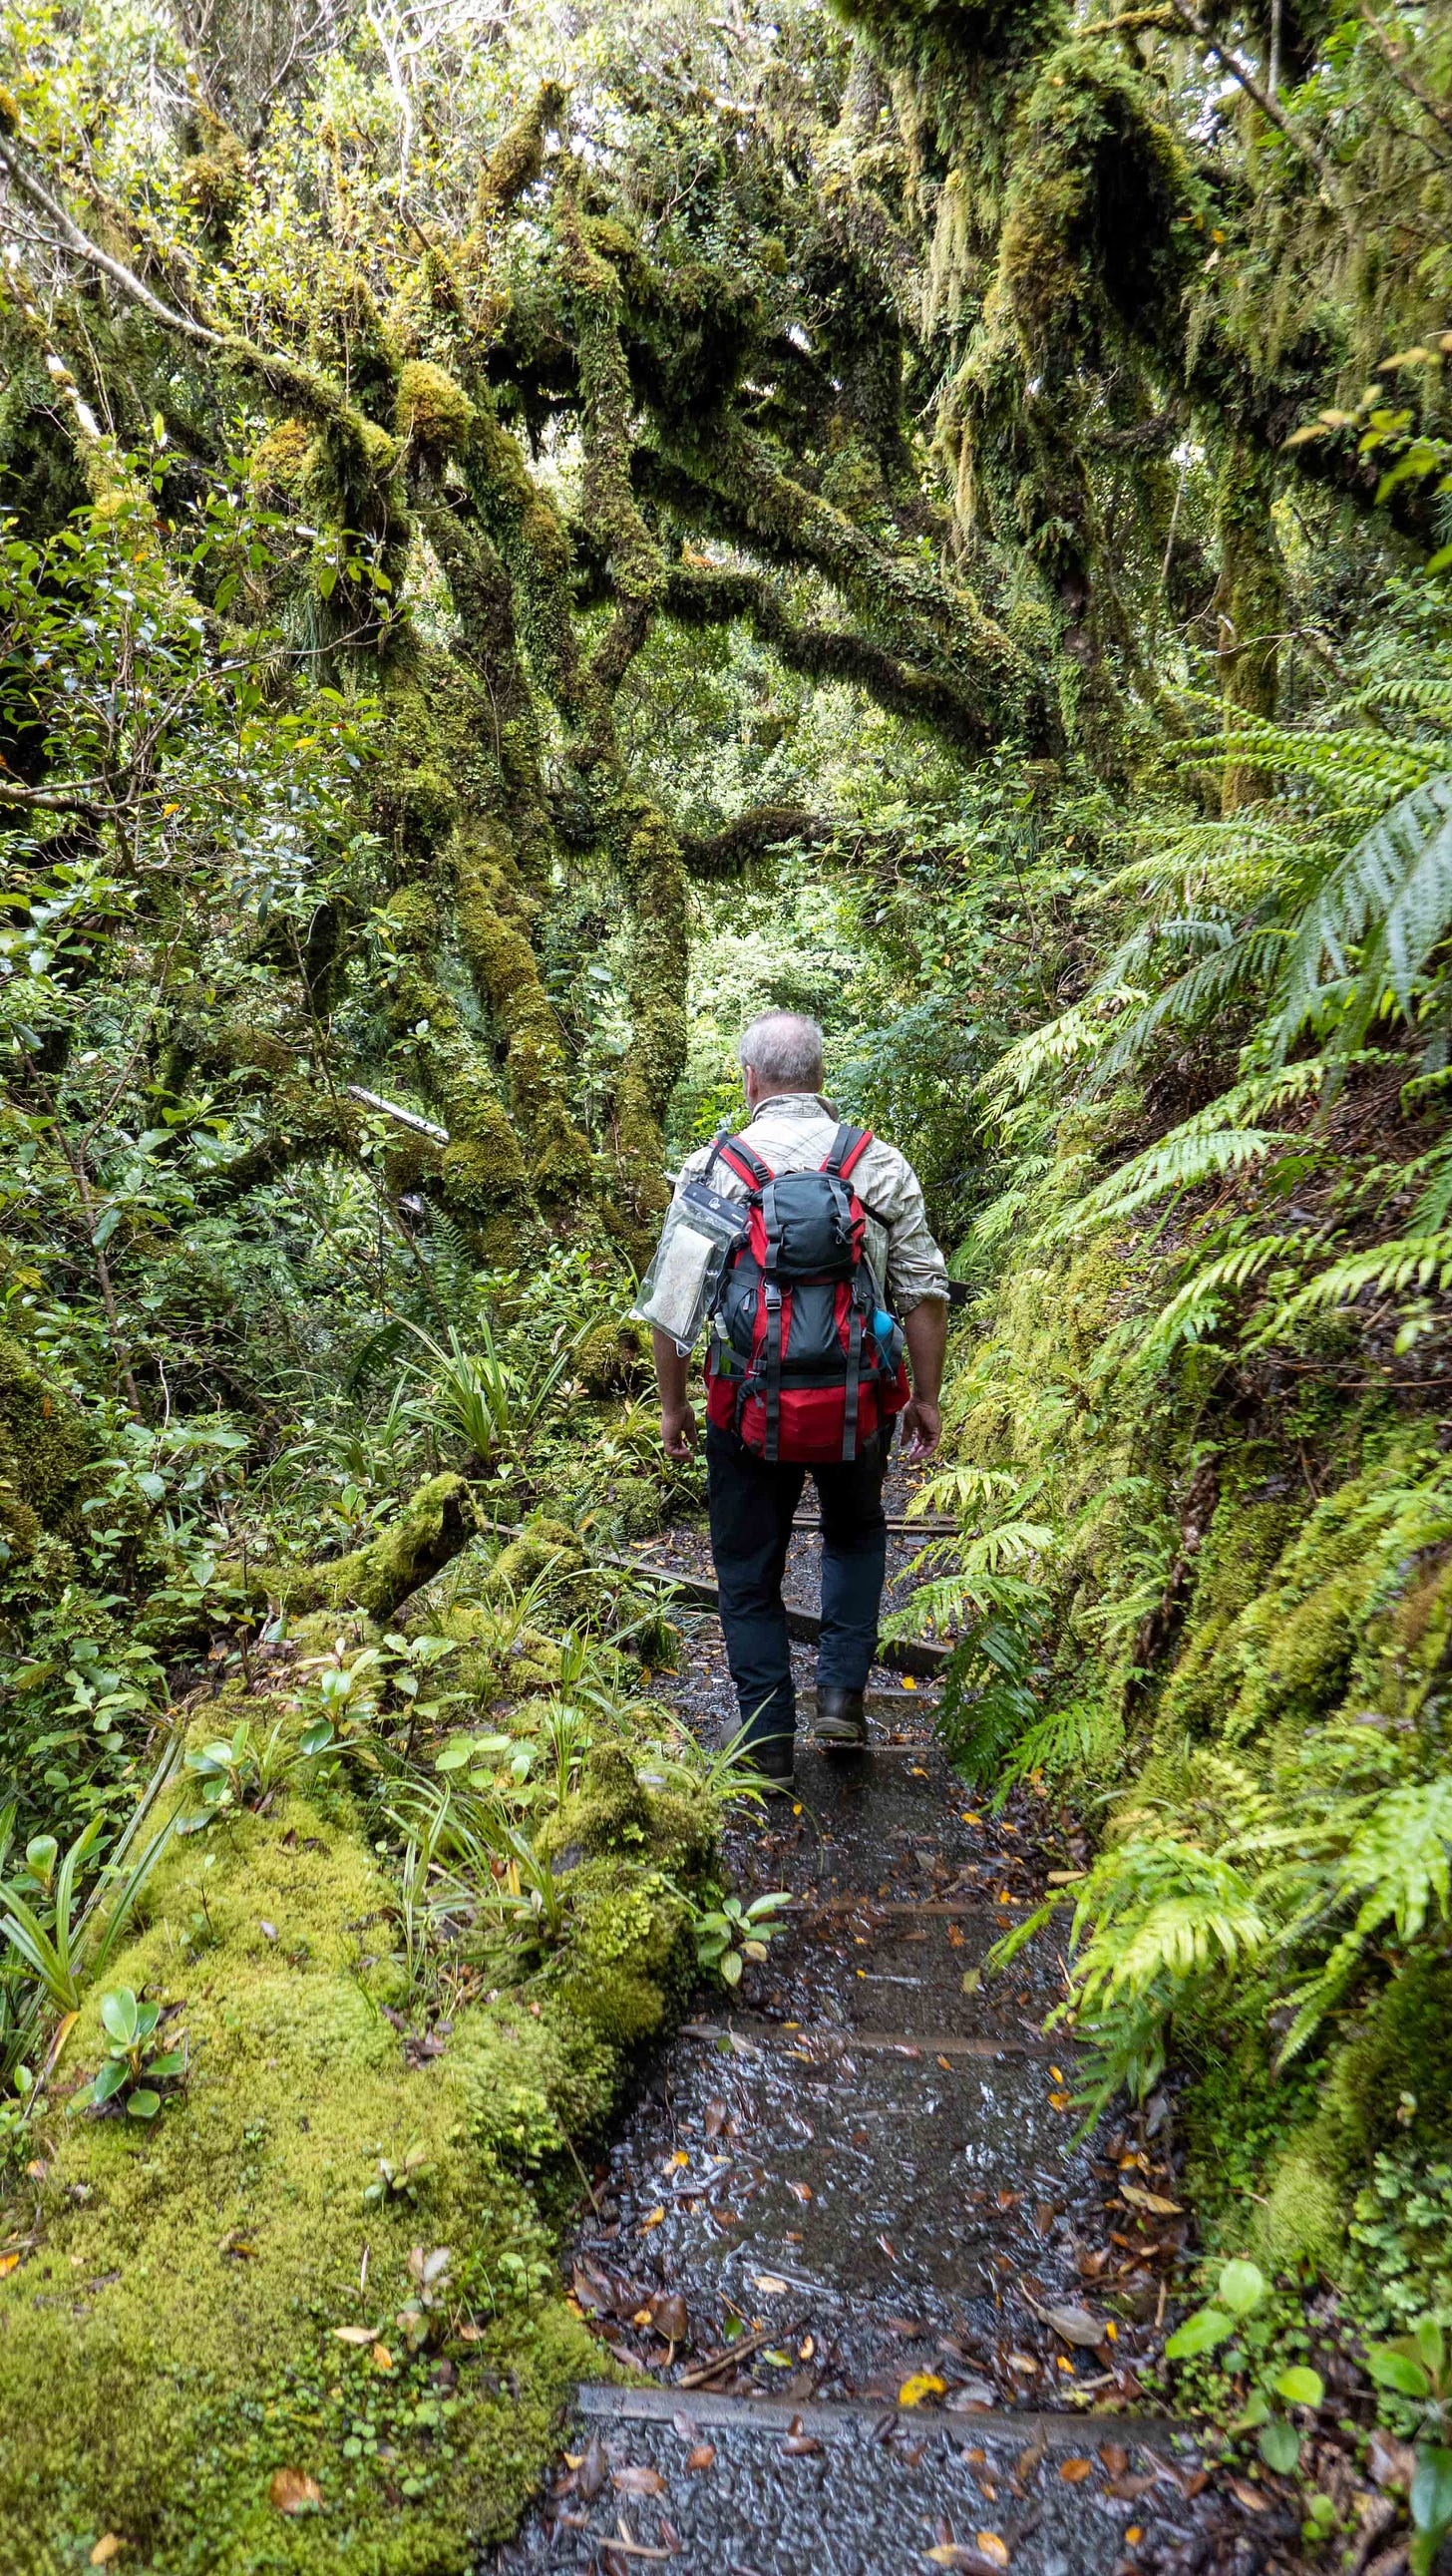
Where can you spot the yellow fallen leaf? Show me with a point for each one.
(107, 2548)
(680, 2157)
(1111, 2331)
(1057, 2073)
(922, 2384)
(970, 1817)
(1151, 2200)
(781, 2359)
(992, 2547)
(1134, 2535)
(642, 2317)
(806, 2348)
(8, 2263)
(908, 1682)
(382, 2357)
(1061, 2101)
(293, 2491)
(652, 2218)
(769, 2286)
(1074, 2472)
(360, 2335)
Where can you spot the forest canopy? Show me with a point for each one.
(527, 534)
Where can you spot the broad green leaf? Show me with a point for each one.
(1279, 2445)
(143, 2104)
(1393, 2369)
(119, 2015)
(1242, 2286)
(1300, 2386)
(1432, 2491)
(1199, 2333)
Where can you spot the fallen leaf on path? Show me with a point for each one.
(702, 2457)
(1028, 2464)
(769, 2286)
(107, 2548)
(1129, 2490)
(1134, 2534)
(293, 2491)
(1074, 2471)
(1152, 2200)
(994, 2549)
(715, 2119)
(1115, 2458)
(1246, 2495)
(684, 2424)
(642, 2480)
(1061, 2101)
(594, 2468)
(782, 2360)
(653, 2218)
(667, 2314)
(799, 2443)
(1075, 2325)
(806, 2347)
(923, 2383)
(1023, 2361)
(801, 2191)
(1391, 2463)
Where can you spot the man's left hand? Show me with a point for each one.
(922, 1427)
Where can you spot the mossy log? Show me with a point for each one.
(438, 1519)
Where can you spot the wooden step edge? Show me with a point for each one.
(1057, 2431)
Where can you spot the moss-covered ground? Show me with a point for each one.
(215, 2353)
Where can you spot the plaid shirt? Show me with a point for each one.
(793, 1132)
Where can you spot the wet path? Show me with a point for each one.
(889, 2303)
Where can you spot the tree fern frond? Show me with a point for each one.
(1415, 1261)
(1232, 966)
(1178, 1162)
(1195, 1308)
(1394, 886)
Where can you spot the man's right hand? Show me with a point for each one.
(677, 1430)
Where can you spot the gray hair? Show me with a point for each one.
(784, 1048)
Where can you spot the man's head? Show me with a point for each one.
(780, 1051)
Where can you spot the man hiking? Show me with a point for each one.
(815, 1267)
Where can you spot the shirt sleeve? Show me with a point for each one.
(915, 1266)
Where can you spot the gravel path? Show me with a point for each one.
(864, 2170)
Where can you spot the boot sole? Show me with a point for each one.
(840, 1738)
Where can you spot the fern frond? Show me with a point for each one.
(1409, 1261)
(1394, 888)
(1196, 1306)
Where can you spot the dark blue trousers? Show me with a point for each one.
(751, 1523)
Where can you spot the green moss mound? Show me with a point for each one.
(172, 2370)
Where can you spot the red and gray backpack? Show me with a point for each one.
(802, 1362)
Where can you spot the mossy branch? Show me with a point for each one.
(933, 696)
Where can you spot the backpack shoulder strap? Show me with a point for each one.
(739, 1158)
(848, 1147)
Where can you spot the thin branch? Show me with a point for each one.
(1269, 108)
(1440, 110)
(84, 248)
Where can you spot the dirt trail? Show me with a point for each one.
(864, 2172)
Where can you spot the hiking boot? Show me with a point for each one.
(841, 1720)
(776, 1760)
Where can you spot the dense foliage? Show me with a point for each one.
(522, 539)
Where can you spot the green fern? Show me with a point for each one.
(1392, 893)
